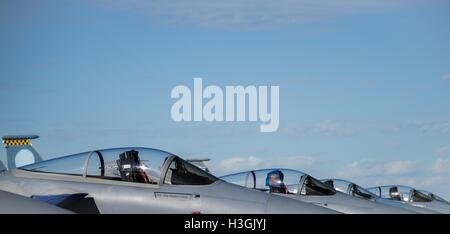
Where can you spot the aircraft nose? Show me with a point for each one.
(283, 205)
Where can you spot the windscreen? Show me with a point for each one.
(434, 196)
(137, 165)
(68, 165)
(437, 198)
(375, 190)
(244, 179)
(339, 185)
(361, 192)
(349, 188)
(417, 196)
(181, 172)
(314, 187)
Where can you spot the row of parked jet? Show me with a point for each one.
(146, 180)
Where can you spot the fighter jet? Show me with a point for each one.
(355, 190)
(131, 180)
(411, 196)
(303, 187)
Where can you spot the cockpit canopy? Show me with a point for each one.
(138, 165)
(350, 188)
(400, 193)
(285, 181)
(434, 196)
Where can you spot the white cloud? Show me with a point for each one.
(441, 165)
(446, 77)
(239, 163)
(443, 151)
(434, 180)
(245, 14)
(326, 127)
(426, 126)
(337, 128)
(365, 168)
(400, 180)
(360, 168)
(248, 163)
(332, 127)
(400, 167)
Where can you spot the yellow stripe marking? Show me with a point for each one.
(16, 142)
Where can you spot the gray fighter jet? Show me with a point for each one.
(303, 187)
(411, 196)
(131, 180)
(355, 190)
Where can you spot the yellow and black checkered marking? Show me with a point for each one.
(17, 142)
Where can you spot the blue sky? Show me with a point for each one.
(364, 85)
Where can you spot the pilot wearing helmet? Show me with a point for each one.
(395, 194)
(275, 182)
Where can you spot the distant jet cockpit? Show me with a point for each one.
(434, 196)
(400, 193)
(285, 181)
(350, 188)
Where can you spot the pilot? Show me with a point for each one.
(275, 182)
(394, 194)
(130, 167)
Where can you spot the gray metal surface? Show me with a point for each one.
(20, 137)
(352, 205)
(15, 204)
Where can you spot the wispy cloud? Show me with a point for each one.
(441, 165)
(326, 127)
(446, 77)
(420, 125)
(400, 167)
(247, 14)
(427, 126)
(374, 168)
(436, 181)
(443, 151)
(236, 164)
(332, 127)
(360, 168)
